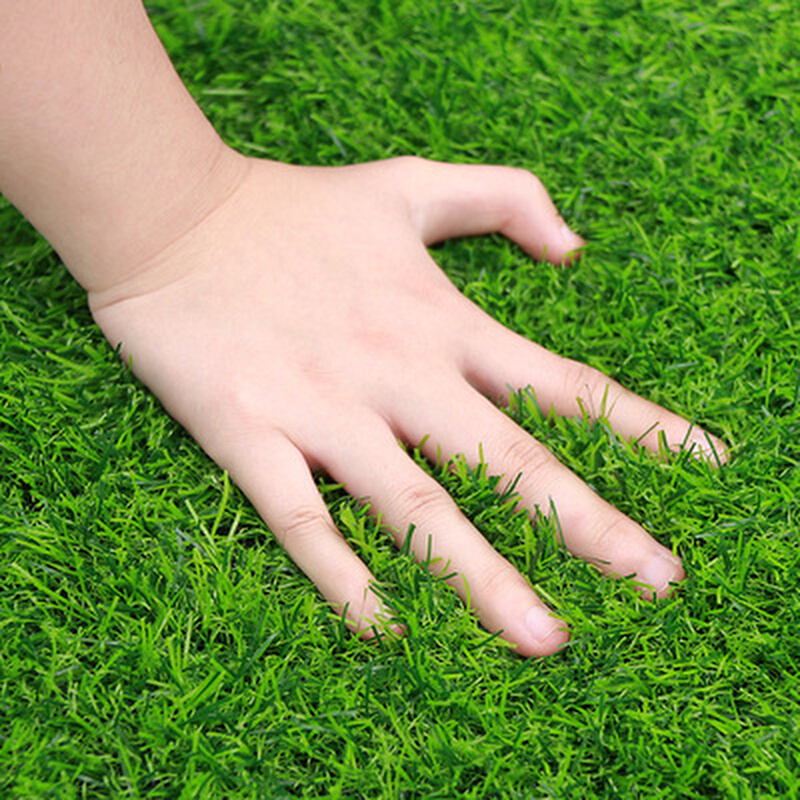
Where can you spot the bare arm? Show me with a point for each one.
(101, 146)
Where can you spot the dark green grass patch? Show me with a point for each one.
(156, 642)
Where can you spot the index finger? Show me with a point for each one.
(498, 358)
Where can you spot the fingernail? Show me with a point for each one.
(708, 448)
(571, 239)
(660, 572)
(382, 611)
(542, 625)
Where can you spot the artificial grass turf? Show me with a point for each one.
(156, 642)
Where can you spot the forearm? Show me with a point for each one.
(101, 146)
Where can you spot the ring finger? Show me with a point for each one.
(373, 466)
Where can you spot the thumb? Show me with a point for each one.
(449, 200)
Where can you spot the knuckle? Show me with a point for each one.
(496, 579)
(531, 179)
(408, 162)
(302, 526)
(521, 454)
(581, 382)
(528, 181)
(241, 399)
(579, 375)
(603, 534)
(227, 418)
(420, 501)
(405, 168)
(406, 175)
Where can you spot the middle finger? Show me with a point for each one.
(592, 528)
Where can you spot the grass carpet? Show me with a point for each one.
(156, 642)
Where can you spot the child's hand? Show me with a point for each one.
(303, 324)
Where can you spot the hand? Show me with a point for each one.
(303, 325)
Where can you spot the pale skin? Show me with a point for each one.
(292, 319)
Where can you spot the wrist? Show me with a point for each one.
(132, 261)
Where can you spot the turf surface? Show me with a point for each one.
(157, 643)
